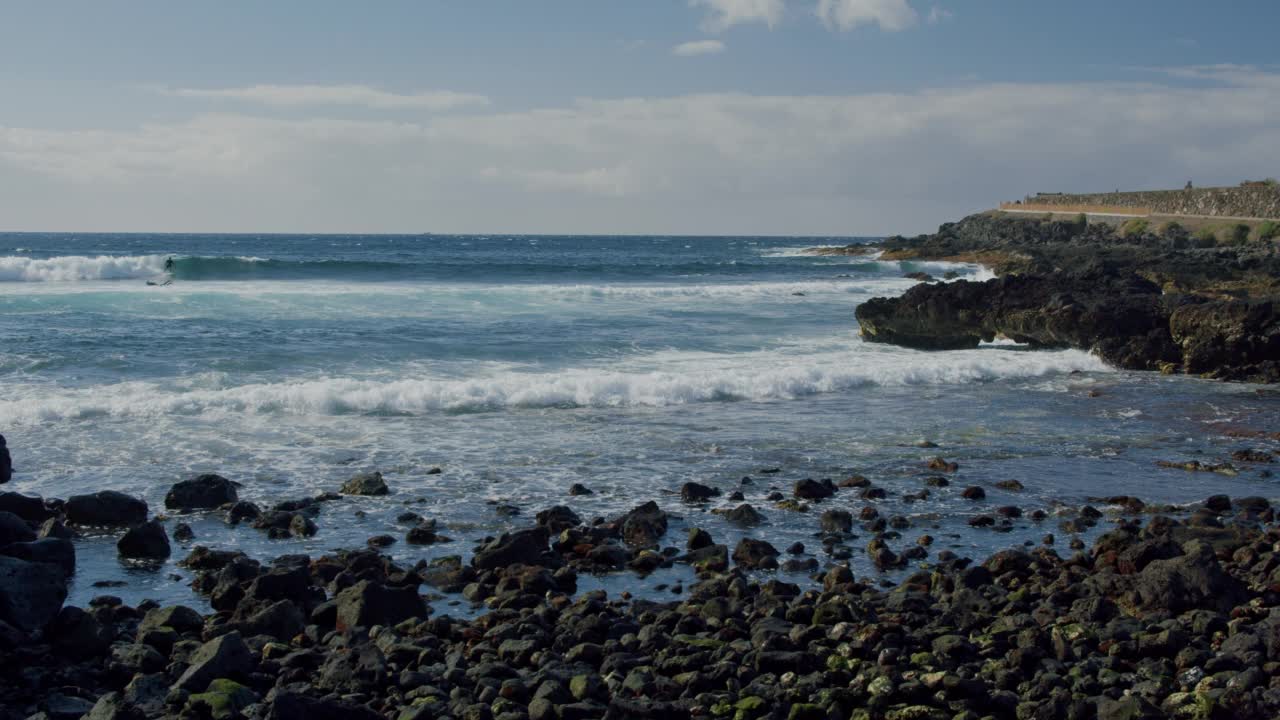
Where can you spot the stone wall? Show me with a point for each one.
(1251, 201)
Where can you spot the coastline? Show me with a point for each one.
(1089, 620)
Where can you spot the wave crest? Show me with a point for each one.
(78, 268)
(779, 378)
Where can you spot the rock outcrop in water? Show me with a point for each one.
(1146, 302)
(6, 462)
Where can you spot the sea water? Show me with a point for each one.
(521, 365)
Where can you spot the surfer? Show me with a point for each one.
(168, 268)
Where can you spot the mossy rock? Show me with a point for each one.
(923, 659)
(806, 711)
(224, 700)
(695, 641)
(916, 712)
(749, 707)
(836, 663)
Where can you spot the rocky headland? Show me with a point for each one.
(1142, 298)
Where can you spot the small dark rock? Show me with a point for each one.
(203, 492)
(366, 484)
(147, 541)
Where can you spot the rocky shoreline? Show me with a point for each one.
(1173, 612)
(1142, 298)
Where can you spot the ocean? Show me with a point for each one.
(520, 365)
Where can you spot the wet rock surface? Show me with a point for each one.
(203, 492)
(1164, 618)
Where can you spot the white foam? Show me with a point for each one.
(781, 374)
(481, 291)
(78, 268)
(806, 251)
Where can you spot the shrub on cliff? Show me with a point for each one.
(1268, 230)
(1237, 234)
(1206, 237)
(1172, 230)
(1134, 227)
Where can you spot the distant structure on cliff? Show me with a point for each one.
(1250, 200)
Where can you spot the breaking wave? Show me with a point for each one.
(77, 268)
(752, 377)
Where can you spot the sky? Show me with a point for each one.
(712, 117)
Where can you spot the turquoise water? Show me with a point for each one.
(519, 365)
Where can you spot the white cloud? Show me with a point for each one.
(890, 15)
(714, 163)
(698, 47)
(938, 14)
(724, 14)
(359, 95)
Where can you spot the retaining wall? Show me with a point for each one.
(1252, 201)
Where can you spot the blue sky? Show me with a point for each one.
(603, 116)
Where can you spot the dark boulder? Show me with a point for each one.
(369, 484)
(14, 529)
(147, 541)
(809, 489)
(424, 533)
(241, 511)
(644, 526)
(692, 492)
(105, 508)
(744, 515)
(836, 521)
(557, 518)
(295, 705)
(6, 462)
(78, 634)
(55, 551)
(281, 619)
(29, 508)
(526, 547)
(755, 554)
(698, 538)
(202, 492)
(1193, 581)
(366, 604)
(225, 656)
(31, 594)
(114, 706)
(179, 617)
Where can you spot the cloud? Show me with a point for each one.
(357, 95)
(698, 47)
(724, 14)
(938, 14)
(891, 15)
(711, 163)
